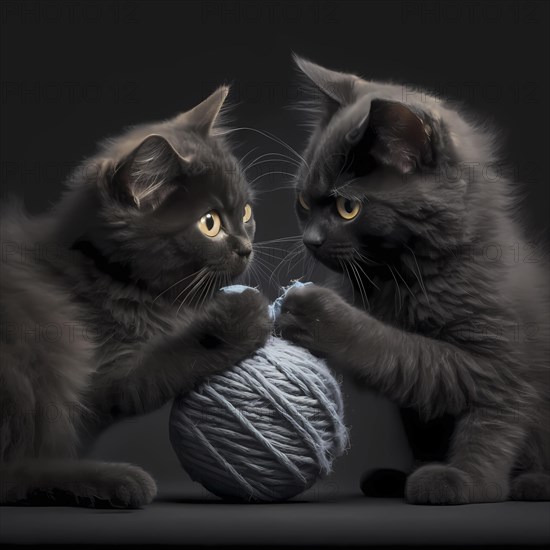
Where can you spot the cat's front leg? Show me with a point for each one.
(483, 451)
(232, 327)
(318, 319)
(435, 377)
(229, 329)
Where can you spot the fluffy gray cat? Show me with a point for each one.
(108, 305)
(398, 190)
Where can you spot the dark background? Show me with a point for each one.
(76, 72)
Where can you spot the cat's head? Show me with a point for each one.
(384, 166)
(171, 201)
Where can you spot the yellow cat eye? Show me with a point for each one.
(302, 201)
(210, 224)
(347, 208)
(247, 213)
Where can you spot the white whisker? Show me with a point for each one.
(271, 174)
(272, 137)
(398, 295)
(176, 283)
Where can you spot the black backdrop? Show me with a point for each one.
(75, 72)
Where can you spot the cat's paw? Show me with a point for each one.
(438, 484)
(237, 324)
(531, 486)
(315, 318)
(122, 486)
(84, 483)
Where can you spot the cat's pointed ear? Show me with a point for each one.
(337, 86)
(203, 117)
(331, 89)
(147, 175)
(396, 135)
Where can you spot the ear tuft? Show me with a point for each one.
(326, 91)
(339, 87)
(403, 138)
(203, 117)
(146, 176)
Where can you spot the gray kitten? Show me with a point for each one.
(108, 305)
(398, 191)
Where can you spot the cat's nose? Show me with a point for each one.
(313, 239)
(244, 250)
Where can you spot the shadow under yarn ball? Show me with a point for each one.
(264, 430)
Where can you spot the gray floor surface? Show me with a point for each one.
(349, 520)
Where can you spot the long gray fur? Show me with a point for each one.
(447, 319)
(122, 274)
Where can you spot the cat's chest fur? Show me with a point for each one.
(120, 319)
(423, 296)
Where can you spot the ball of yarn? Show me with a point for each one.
(264, 430)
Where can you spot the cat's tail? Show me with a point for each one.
(75, 483)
